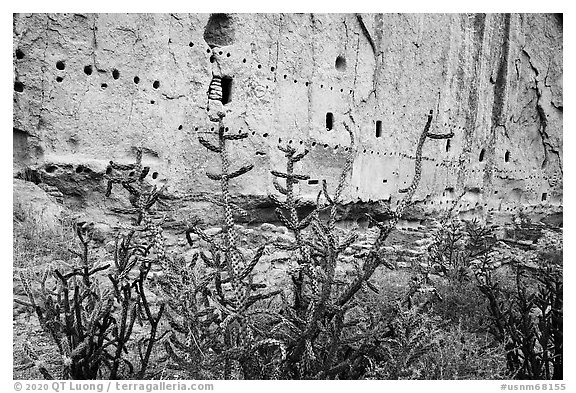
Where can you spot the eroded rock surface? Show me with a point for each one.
(89, 88)
(34, 206)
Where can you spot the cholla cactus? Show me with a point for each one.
(142, 197)
(134, 249)
(237, 269)
(374, 259)
(76, 311)
(316, 350)
(220, 329)
(287, 213)
(527, 318)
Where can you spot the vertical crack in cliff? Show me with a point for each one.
(347, 34)
(170, 41)
(43, 80)
(367, 35)
(178, 19)
(376, 73)
(542, 118)
(95, 43)
(379, 22)
(310, 102)
(474, 66)
(278, 46)
(498, 118)
(80, 102)
(130, 114)
(170, 46)
(356, 69)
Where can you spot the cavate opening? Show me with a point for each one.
(340, 63)
(51, 168)
(219, 30)
(447, 145)
(18, 87)
(226, 84)
(378, 128)
(115, 74)
(482, 152)
(19, 54)
(544, 196)
(88, 70)
(313, 181)
(155, 175)
(329, 121)
(136, 80)
(59, 79)
(156, 84)
(507, 156)
(60, 65)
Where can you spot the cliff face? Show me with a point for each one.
(89, 88)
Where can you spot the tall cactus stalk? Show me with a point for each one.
(129, 252)
(292, 221)
(374, 260)
(320, 270)
(307, 355)
(235, 264)
(240, 344)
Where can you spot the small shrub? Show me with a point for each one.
(522, 289)
(430, 349)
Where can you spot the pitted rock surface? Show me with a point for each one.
(89, 88)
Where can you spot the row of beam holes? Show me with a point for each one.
(19, 87)
(330, 126)
(490, 209)
(329, 120)
(448, 143)
(265, 135)
(313, 181)
(80, 169)
(340, 65)
(481, 158)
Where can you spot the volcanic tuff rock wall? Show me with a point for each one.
(89, 88)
